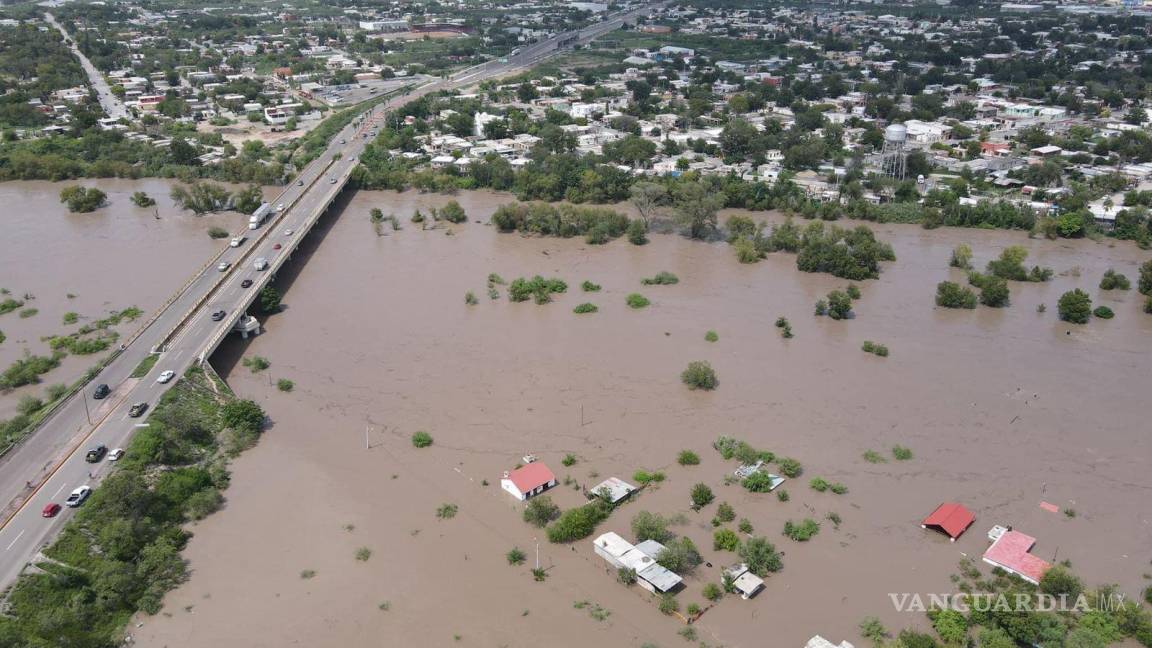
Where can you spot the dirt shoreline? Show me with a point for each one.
(1002, 408)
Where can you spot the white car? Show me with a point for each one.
(116, 454)
(78, 496)
(260, 264)
(237, 240)
(166, 376)
(280, 207)
(223, 267)
(288, 232)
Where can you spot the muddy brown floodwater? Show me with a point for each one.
(115, 257)
(1002, 408)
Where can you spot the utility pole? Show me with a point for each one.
(84, 396)
(537, 541)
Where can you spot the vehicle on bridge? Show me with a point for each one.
(137, 409)
(223, 266)
(96, 454)
(247, 283)
(78, 496)
(258, 216)
(219, 315)
(237, 240)
(262, 263)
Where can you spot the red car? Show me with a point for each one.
(50, 510)
(276, 247)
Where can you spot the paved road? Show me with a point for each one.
(110, 102)
(53, 459)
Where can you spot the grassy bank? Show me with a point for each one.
(121, 553)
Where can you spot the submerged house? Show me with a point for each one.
(528, 481)
(950, 518)
(613, 489)
(640, 558)
(745, 582)
(1009, 551)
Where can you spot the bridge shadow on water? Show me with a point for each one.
(231, 350)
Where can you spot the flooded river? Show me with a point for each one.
(1003, 409)
(91, 264)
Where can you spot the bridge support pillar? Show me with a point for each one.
(247, 325)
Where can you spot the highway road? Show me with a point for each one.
(53, 459)
(111, 104)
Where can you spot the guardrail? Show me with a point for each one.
(276, 264)
(223, 276)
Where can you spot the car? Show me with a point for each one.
(96, 454)
(224, 265)
(260, 264)
(332, 181)
(280, 207)
(276, 247)
(137, 409)
(219, 315)
(343, 142)
(101, 391)
(116, 454)
(78, 496)
(299, 183)
(288, 232)
(50, 510)
(165, 376)
(247, 283)
(237, 240)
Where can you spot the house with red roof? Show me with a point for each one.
(1009, 551)
(950, 518)
(528, 481)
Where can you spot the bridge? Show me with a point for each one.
(182, 333)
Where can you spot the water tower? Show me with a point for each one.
(894, 157)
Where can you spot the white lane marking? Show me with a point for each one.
(59, 490)
(17, 539)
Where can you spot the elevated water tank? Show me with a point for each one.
(896, 133)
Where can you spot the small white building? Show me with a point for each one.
(821, 642)
(745, 582)
(640, 558)
(613, 489)
(528, 481)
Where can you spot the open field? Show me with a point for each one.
(1003, 409)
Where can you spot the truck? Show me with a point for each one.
(258, 216)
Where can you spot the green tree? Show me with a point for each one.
(1145, 282)
(142, 199)
(701, 496)
(680, 556)
(699, 375)
(453, 212)
(650, 526)
(696, 208)
(760, 556)
(82, 199)
(952, 295)
(269, 300)
(839, 305)
(1075, 306)
(1060, 581)
(242, 415)
(540, 511)
(248, 200)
